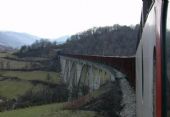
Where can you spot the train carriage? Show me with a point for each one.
(151, 61)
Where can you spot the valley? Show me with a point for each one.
(26, 92)
(23, 83)
(31, 83)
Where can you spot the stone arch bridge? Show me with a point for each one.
(88, 73)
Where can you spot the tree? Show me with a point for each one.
(108, 41)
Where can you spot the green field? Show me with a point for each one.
(15, 84)
(69, 109)
(13, 89)
(7, 54)
(3, 54)
(12, 64)
(52, 77)
(18, 63)
(51, 110)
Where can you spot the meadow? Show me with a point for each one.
(21, 84)
(50, 110)
(46, 76)
(25, 92)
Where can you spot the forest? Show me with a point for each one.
(107, 41)
(113, 40)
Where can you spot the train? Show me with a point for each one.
(153, 61)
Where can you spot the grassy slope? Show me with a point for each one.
(51, 110)
(14, 64)
(33, 75)
(7, 54)
(67, 109)
(3, 54)
(13, 89)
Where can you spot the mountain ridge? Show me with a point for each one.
(16, 39)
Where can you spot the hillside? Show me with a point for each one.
(109, 41)
(30, 76)
(15, 39)
(26, 87)
(28, 81)
(88, 106)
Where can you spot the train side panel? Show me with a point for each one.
(144, 69)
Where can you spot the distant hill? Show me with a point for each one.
(62, 39)
(15, 39)
(5, 48)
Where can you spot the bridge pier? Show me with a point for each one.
(78, 73)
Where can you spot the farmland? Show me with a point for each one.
(29, 92)
(19, 80)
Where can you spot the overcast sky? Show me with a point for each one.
(55, 18)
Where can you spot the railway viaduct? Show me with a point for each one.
(93, 71)
(84, 73)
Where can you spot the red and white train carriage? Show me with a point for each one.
(152, 84)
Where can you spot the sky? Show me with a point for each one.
(56, 18)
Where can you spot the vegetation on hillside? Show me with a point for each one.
(40, 48)
(114, 40)
(50, 77)
(103, 102)
(109, 41)
(27, 81)
(41, 51)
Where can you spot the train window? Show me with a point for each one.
(168, 62)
